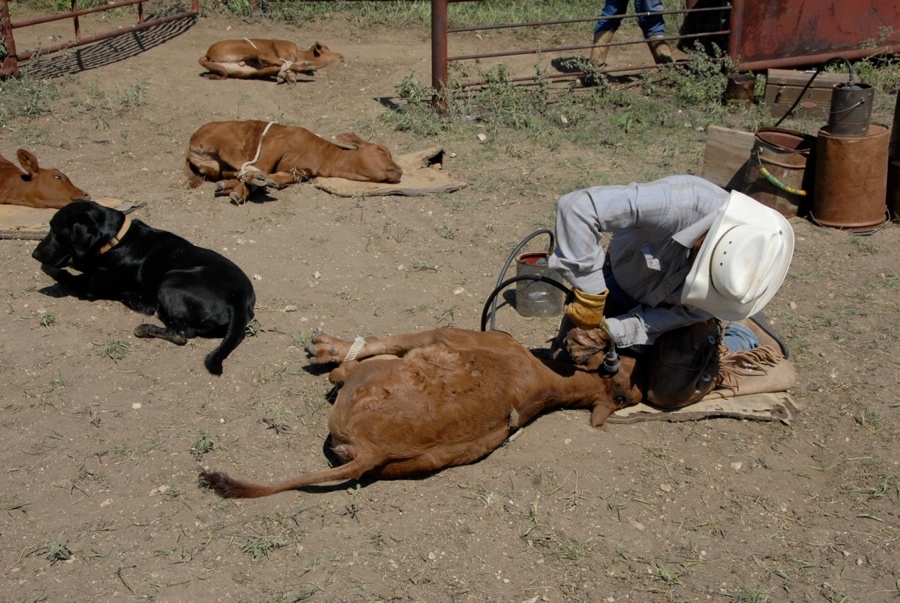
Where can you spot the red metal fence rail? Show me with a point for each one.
(441, 31)
(758, 36)
(14, 58)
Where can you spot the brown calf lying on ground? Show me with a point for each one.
(248, 59)
(238, 154)
(425, 401)
(36, 187)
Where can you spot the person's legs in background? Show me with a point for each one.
(605, 30)
(654, 28)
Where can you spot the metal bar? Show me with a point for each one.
(570, 48)
(594, 19)
(75, 19)
(810, 59)
(736, 25)
(575, 74)
(110, 34)
(75, 13)
(10, 62)
(439, 53)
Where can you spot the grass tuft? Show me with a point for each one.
(114, 349)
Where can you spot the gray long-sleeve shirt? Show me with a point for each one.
(653, 228)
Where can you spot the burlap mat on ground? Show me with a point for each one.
(17, 222)
(422, 175)
(778, 406)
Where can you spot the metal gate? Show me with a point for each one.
(441, 32)
(756, 35)
(14, 57)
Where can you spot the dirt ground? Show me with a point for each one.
(101, 456)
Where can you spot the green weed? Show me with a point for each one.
(568, 549)
(47, 318)
(10, 505)
(253, 328)
(866, 246)
(204, 444)
(114, 349)
(58, 550)
(25, 96)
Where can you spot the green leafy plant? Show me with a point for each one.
(58, 550)
(114, 349)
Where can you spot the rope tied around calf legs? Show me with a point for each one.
(248, 165)
(358, 344)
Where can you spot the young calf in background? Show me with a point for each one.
(259, 59)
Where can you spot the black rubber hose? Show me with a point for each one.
(503, 285)
(509, 261)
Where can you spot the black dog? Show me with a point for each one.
(194, 291)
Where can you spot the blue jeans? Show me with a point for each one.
(651, 25)
(739, 338)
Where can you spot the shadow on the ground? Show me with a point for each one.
(106, 52)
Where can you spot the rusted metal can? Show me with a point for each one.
(779, 173)
(851, 109)
(851, 179)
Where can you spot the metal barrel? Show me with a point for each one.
(851, 179)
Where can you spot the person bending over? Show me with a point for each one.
(686, 265)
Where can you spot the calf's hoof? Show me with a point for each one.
(260, 180)
(236, 198)
(323, 349)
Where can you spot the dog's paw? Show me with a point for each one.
(148, 330)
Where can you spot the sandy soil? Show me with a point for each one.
(100, 456)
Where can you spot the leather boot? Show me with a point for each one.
(598, 53)
(660, 50)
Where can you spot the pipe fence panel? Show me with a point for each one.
(14, 58)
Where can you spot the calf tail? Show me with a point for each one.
(216, 72)
(240, 317)
(228, 487)
(194, 177)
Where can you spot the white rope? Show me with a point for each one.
(249, 41)
(358, 344)
(248, 165)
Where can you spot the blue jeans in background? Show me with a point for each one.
(651, 25)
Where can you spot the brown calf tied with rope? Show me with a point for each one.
(259, 59)
(244, 155)
(420, 402)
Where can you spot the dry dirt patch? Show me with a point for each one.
(103, 443)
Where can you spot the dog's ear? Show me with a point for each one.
(90, 230)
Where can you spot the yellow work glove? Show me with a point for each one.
(586, 309)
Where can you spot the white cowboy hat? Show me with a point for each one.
(742, 261)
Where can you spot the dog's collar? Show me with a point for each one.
(116, 239)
